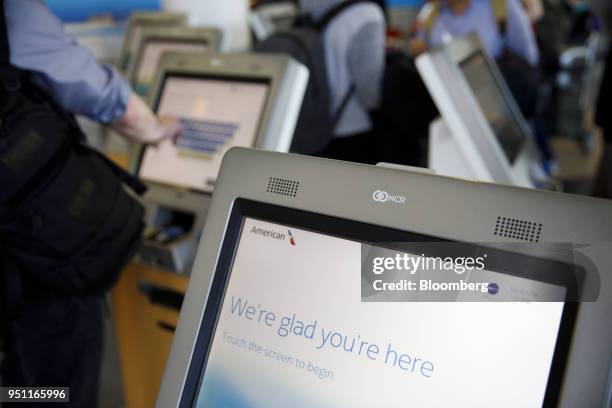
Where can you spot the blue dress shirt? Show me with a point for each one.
(479, 17)
(58, 63)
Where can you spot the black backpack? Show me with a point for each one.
(66, 222)
(304, 42)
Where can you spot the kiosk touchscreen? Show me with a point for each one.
(482, 134)
(157, 40)
(133, 34)
(276, 314)
(221, 101)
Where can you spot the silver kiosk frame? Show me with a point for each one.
(210, 37)
(137, 21)
(348, 191)
(463, 144)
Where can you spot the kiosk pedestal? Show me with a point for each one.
(445, 155)
(146, 304)
(454, 156)
(147, 299)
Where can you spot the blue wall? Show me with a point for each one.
(411, 3)
(79, 10)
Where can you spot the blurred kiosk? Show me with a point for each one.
(276, 314)
(222, 101)
(229, 16)
(133, 33)
(482, 134)
(116, 147)
(155, 41)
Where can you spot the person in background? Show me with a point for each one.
(534, 10)
(54, 339)
(354, 43)
(457, 18)
(77, 82)
(506, 32)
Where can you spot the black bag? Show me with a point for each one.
(66, 222)
(403, 138)
(304, 42)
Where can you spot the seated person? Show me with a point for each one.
(354, 44)
(455, 18)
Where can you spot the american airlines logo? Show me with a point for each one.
(274, 234)
(382, 196)
(268, 233)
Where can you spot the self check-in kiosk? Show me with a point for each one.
(133, 33)
(221, 101)
(284, 306)
(154, 41)
(482, 134)
(119, 149)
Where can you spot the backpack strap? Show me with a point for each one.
(338, 114)
(131, 181)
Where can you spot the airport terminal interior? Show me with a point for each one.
(306, 203)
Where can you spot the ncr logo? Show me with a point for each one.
(381, 196)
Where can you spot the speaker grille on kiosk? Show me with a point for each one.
(518, 229)
(283, 186)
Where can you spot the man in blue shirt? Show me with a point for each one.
(506, 33)
(74, 78)
(459, 17)
(52, 339)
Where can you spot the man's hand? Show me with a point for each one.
(139, 124)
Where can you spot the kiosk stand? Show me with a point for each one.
(222, 101)
(482, 134)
